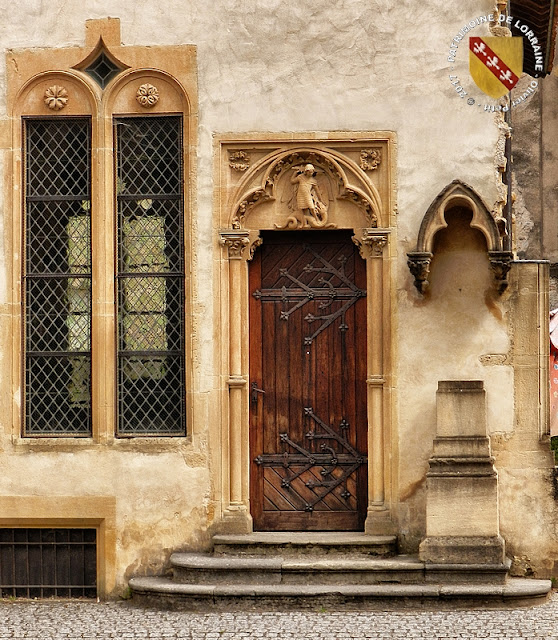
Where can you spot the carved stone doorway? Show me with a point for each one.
(308, 382)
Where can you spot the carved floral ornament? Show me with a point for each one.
(317, 179)
(147, 95)
(239, 160)
(370, 159)
(56, 97)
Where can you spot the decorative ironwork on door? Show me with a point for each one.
(329, 459)
(309, 429)
(301, 293)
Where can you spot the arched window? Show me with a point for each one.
(102, 277)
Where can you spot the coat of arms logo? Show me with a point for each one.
(495, 63)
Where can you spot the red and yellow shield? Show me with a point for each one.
(495, 63)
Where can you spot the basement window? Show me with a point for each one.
(48, 563)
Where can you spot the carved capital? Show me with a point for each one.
(500, 262)
(419, 265)
(235, 242)
(371, 242)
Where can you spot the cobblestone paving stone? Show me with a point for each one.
(77, 620)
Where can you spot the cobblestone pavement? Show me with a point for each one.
(74, 620)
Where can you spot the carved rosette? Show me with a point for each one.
(56, 98)
(419, 266)
(370, 159)
(235, 242)
(239, 160)
(500, 262)
(371, 243)
(147, 95)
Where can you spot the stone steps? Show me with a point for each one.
(164, 593)
(303, 543)
(313, 570)
(206, 569)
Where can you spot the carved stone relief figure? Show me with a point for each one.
(296, 186)
(309, 199)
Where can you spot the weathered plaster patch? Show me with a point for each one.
(411, 489)
(523, 222)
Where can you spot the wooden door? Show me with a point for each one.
(308, 418)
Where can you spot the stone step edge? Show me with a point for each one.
(205, 561)
(200, 561)
(303, 539)
(513, 588)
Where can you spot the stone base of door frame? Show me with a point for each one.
(379, 522)
(235, 521)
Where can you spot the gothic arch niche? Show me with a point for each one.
(459, 195)
(460, 264)
(342, 181)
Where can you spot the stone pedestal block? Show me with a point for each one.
(462, 520)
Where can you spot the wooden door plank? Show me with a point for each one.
(328, 375)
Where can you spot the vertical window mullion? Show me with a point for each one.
(57, 277)
(150, 276)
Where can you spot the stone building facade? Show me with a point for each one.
(156, 168)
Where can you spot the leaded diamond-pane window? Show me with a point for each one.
(57, 279)
(103, 70)
(150, 276)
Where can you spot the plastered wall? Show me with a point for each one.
(291, 67)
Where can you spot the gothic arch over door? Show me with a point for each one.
(275, 474)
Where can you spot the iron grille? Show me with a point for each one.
(57, 279)
(150, 279)
(45, 563)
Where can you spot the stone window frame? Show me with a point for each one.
(50, 83)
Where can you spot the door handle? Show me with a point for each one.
(254, 393)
